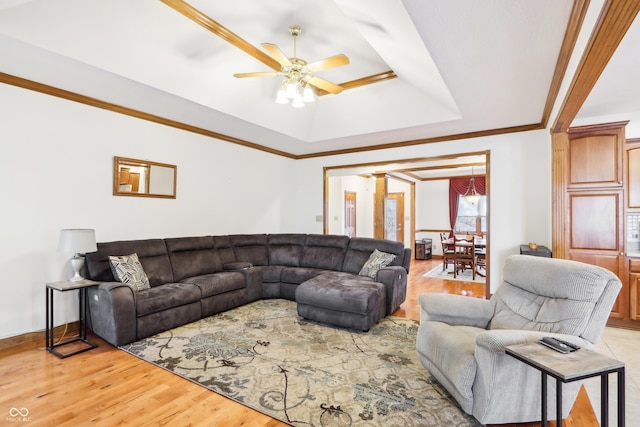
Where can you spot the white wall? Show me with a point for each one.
(520, 187)
(432, 210)
(364, 188)
(56, 171)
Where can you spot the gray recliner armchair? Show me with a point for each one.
(461, 340)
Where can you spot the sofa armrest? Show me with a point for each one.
(394, 280)
(456, 309)
(112, 312)
(235, 266)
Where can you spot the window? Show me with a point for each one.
(472, 217)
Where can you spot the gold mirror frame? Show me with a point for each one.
(143, 178)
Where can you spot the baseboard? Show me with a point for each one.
(32, 340)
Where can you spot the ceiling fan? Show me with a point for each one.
(299, 75)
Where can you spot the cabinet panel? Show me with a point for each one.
(595, 221)
(634, 296)
(594, 160)
(633, 183)
(615, 264)
(595, 156)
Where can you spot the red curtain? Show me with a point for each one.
(458, 187)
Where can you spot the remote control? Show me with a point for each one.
(569, 344)
(556, 345)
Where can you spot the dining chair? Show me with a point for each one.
(448, 252)
(464, 255)
(481, 262)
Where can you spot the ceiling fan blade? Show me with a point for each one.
(277, 54)
(331, 62)
(325, 85)
(256, 74)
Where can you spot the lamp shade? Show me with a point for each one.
(77, 240)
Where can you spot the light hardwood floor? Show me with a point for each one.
(108, 387)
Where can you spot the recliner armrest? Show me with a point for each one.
(495, 340)
(456, 309)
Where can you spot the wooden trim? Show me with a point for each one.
(75, 97)
(36, 339)
(559, 181)
(578, 12)
(412, 217)
(325, 200)
(468, 135)
(589, 129)
(219, 30)
(632, 140)
(614, 21)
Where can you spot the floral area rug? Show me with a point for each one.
(465, 276)
(264, 356)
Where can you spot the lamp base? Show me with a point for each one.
(76, 265)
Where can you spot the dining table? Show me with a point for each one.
(478, 242)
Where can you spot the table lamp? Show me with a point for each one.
(78, 241)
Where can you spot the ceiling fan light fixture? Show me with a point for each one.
(297, 101)
(307, 94)
(281, 97)
(291, 89)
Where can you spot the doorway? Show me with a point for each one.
(394, 217)
(350, 213)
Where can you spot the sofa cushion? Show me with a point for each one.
(165, 297)
(251, 248)
(193, 256)
(360, 249)
(152, 254)
(127, 269)
(297, 275)
(286, 249)
(324, 251)
(224, 249)
(270, 273)
(351, 295)
(218, 283)
(376, 261)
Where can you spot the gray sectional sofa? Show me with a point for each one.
(195, 277)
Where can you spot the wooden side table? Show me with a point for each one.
(541, 251)
(574, 366)
(65, 286)
(423, 249)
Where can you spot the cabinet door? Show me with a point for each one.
(634, 296)
(596, 236)
(633, 183)
(595, 156)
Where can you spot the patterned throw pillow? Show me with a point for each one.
(376, 261)
(127, 269)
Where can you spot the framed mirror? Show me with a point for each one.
(143, 178)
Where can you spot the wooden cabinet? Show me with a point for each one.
(634, 289)
(633, 176)
(591, 193)
(423, 249)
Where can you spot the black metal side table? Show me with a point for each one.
(64, 286)
(574, 366)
